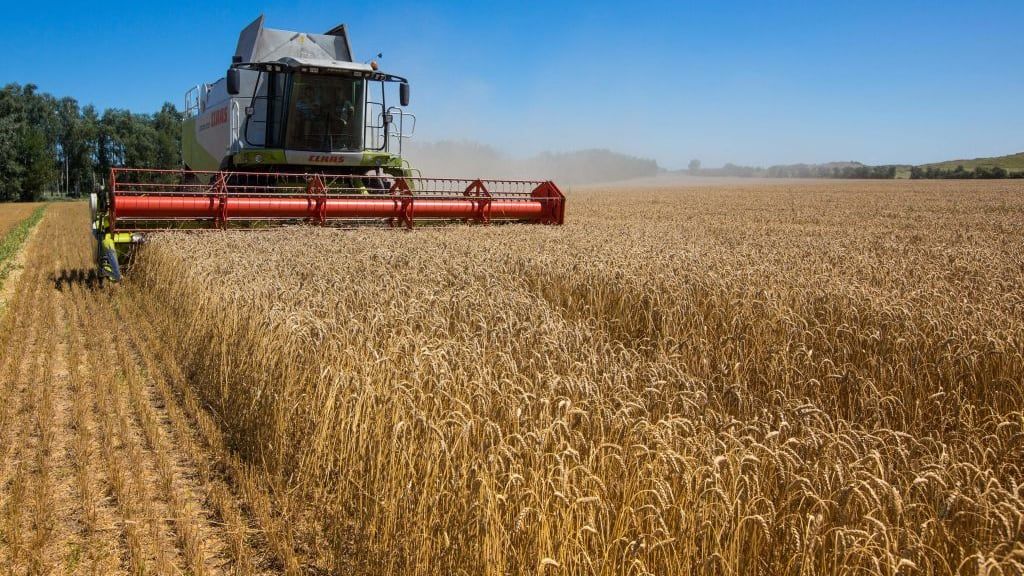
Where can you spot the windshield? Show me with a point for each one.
(325, 113)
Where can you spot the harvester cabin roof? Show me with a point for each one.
(259, 44)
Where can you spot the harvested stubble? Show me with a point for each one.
(809, 379)
(107, 464)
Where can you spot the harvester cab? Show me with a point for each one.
(298, 131)
(293, 101)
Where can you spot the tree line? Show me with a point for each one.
(52, 145)
(853, 170)
(959, 173)
(825, 171)
(850, 170)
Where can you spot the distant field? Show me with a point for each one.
(1012, 162)
(12, 213)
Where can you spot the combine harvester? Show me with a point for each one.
(298, 132)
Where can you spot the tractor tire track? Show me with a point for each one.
(104, 467)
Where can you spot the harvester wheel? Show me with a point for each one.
(107, 255)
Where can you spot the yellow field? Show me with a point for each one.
(11, 214)
(812, 378)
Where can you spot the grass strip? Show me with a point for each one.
(12, 241)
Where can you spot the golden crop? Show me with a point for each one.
(823, 378)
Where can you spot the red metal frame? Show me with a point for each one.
(477, 189)
(143, 199)
(220, 192)
(316, 189)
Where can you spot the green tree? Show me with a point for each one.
(37, 160)
(75, 147)
(10, 165)
(90, 126)
(167, 124)
(46, 143)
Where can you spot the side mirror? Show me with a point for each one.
(403, 93)
(234, 79)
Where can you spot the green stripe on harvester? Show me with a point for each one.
(13, 240)
(193, 153)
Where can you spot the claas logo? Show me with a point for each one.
(218, 117)
(329, 159)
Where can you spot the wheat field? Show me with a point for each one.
(789, 378)
(812, 378)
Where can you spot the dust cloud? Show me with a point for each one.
(465, 159)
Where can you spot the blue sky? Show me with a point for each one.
(744, 82)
